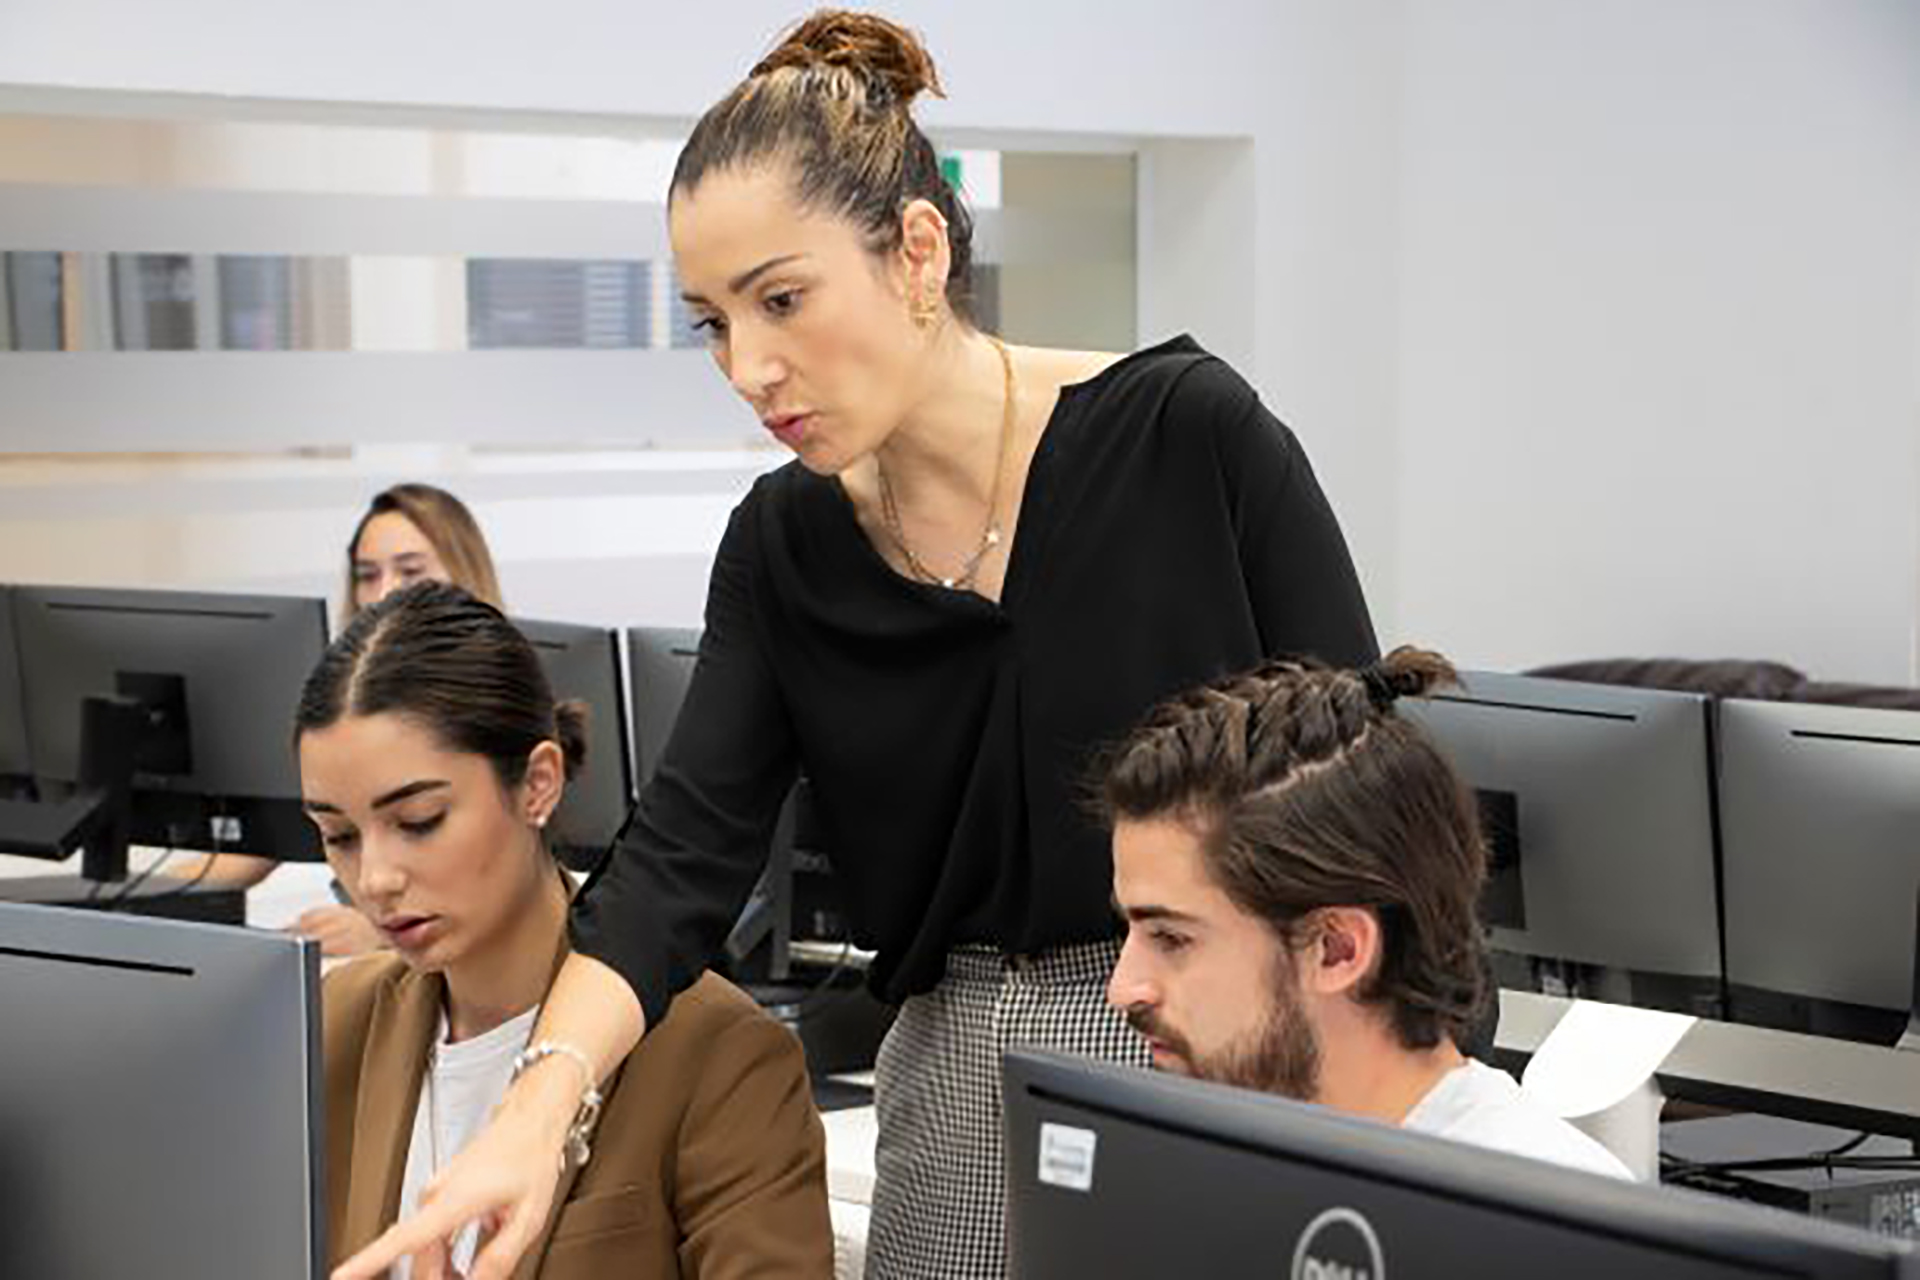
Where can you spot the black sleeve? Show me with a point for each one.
(1300, 579)
(660, 910)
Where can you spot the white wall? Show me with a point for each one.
(1599, 320)
(1294, 296)
(1657, 382)
(1071, 65)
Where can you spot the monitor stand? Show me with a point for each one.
(95, 818)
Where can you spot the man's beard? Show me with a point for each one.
(1280, 1056)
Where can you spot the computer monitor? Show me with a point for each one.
(16, 765)
(1118, 1172)
(660, 670)
(660, 664)
(160, 1099)
(1599, 810)
(1820, 828)
(583, 663)
(219, 677)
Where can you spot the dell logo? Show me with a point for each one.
(1314, 1269)
(1338, 1245)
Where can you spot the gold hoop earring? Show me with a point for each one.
(925, 311)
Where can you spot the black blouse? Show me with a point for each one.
(1172, 531)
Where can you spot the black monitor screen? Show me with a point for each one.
(219, 677)
(583, 663)
(1598, 804)
(1118, 1172)
(15, 763)
(1820, 819)
(661, 661)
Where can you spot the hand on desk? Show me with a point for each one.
(340, 931)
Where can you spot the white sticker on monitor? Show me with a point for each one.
(1066, 1156)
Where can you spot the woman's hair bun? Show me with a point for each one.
(890, 58)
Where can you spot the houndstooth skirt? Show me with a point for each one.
(939, 1199)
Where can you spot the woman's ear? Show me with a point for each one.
(926, 255)
(545, 783)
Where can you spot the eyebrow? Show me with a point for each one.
(1152, 912)
(405, 558)
(745, 279)
(392, 797)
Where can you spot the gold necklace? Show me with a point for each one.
(991, 536)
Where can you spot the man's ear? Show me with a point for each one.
(1341, 948)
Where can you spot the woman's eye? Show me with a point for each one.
(783, 303)
(423, 827)
(339, 839)
(711, 326)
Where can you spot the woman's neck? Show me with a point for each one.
(951, 441)
(509, 975)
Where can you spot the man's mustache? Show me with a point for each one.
(1143, 1020)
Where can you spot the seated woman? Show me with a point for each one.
(431, 756)
(409, 533)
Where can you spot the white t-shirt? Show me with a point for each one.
(467, 1081)
(1481, 1105)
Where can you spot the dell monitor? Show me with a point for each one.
(1118, 1172)
(160, 1099)
(217, 678)
(1598, 806)
(583, 664)
(1820, 828)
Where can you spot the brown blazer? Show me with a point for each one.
(709, 1160)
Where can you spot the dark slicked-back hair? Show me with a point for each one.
(454, 665)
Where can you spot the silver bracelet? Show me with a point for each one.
(580, 1132)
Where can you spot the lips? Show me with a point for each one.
(410, 933)
(790, 428)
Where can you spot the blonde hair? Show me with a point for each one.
(444, 521)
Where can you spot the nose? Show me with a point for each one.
(753, 364)
(381, 875)
(1130, 984)
(373, 589)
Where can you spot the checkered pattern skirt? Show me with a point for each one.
(940, 1193)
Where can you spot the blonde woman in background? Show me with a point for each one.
(409, 533)
(416, 533)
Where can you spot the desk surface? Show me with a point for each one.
(1811, 1078)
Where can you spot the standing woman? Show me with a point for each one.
(984, 563)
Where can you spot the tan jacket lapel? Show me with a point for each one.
(405, 1018)
(536, 1254)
